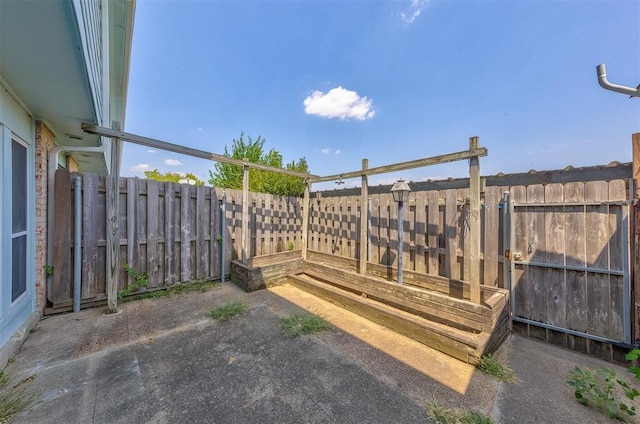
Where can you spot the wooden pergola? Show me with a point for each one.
(473, 154)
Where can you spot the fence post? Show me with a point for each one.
(474, 224)
(364, 219)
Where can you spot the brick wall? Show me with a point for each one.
(44, 144)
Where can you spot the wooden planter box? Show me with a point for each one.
(265, 271)
(433, 310)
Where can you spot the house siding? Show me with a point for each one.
(89, 20)
(16, 125)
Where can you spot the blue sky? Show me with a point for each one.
(390, 81)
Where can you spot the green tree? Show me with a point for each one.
(230, 176)
(172, 177)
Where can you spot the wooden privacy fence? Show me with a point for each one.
(571, 257)
(172, 232)
(570, 243)
(436, 222)
(435, 231)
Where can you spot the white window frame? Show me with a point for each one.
(9, 308)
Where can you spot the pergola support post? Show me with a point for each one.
(364, 219)
(245, 237)
(113, 231)
(474, 224)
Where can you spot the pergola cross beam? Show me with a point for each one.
(189, 151)
(419, 163)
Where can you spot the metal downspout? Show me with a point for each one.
(77, 235)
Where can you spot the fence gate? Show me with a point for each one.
(569, 260)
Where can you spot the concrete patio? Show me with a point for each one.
(165, 361)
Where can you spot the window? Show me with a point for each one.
(18, 219)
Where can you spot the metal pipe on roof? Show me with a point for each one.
(604, 83)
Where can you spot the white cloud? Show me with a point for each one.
(173, 162)
(141, 167)
(339, 103)
(412, 12)
(337, 152)
(325, 151)
(151, 151)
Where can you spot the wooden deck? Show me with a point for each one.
(433, 310)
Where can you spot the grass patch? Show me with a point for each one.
(441, 415)
(303, 323)
(198, 285)
(16, 397)
(490, 365)
(228, 310)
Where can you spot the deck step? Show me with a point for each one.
(464, 345)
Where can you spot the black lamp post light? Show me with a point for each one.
(400, 192)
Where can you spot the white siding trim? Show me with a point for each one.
(89, 20)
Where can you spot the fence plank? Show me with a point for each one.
(216, 234)
(314, 224)
(545, 301)
(521, 283)
(260, 225)
(170, 276)
(407, 239)
(100, 217)
(185, 233)
(420, 231)
(452, 269)
(298, 224)
(63, 212)
(133, 246)
(353, 236)
(575, 233)
(596, 225)
(202, 225)
(153, 220)
(492, 235)
(596, 237)
(387, 232)
(465, 233)
(375, 229)
(268, 225)
(433, 230)
(291, 219)
(617, 192)
(555, 228)
(141, 224)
